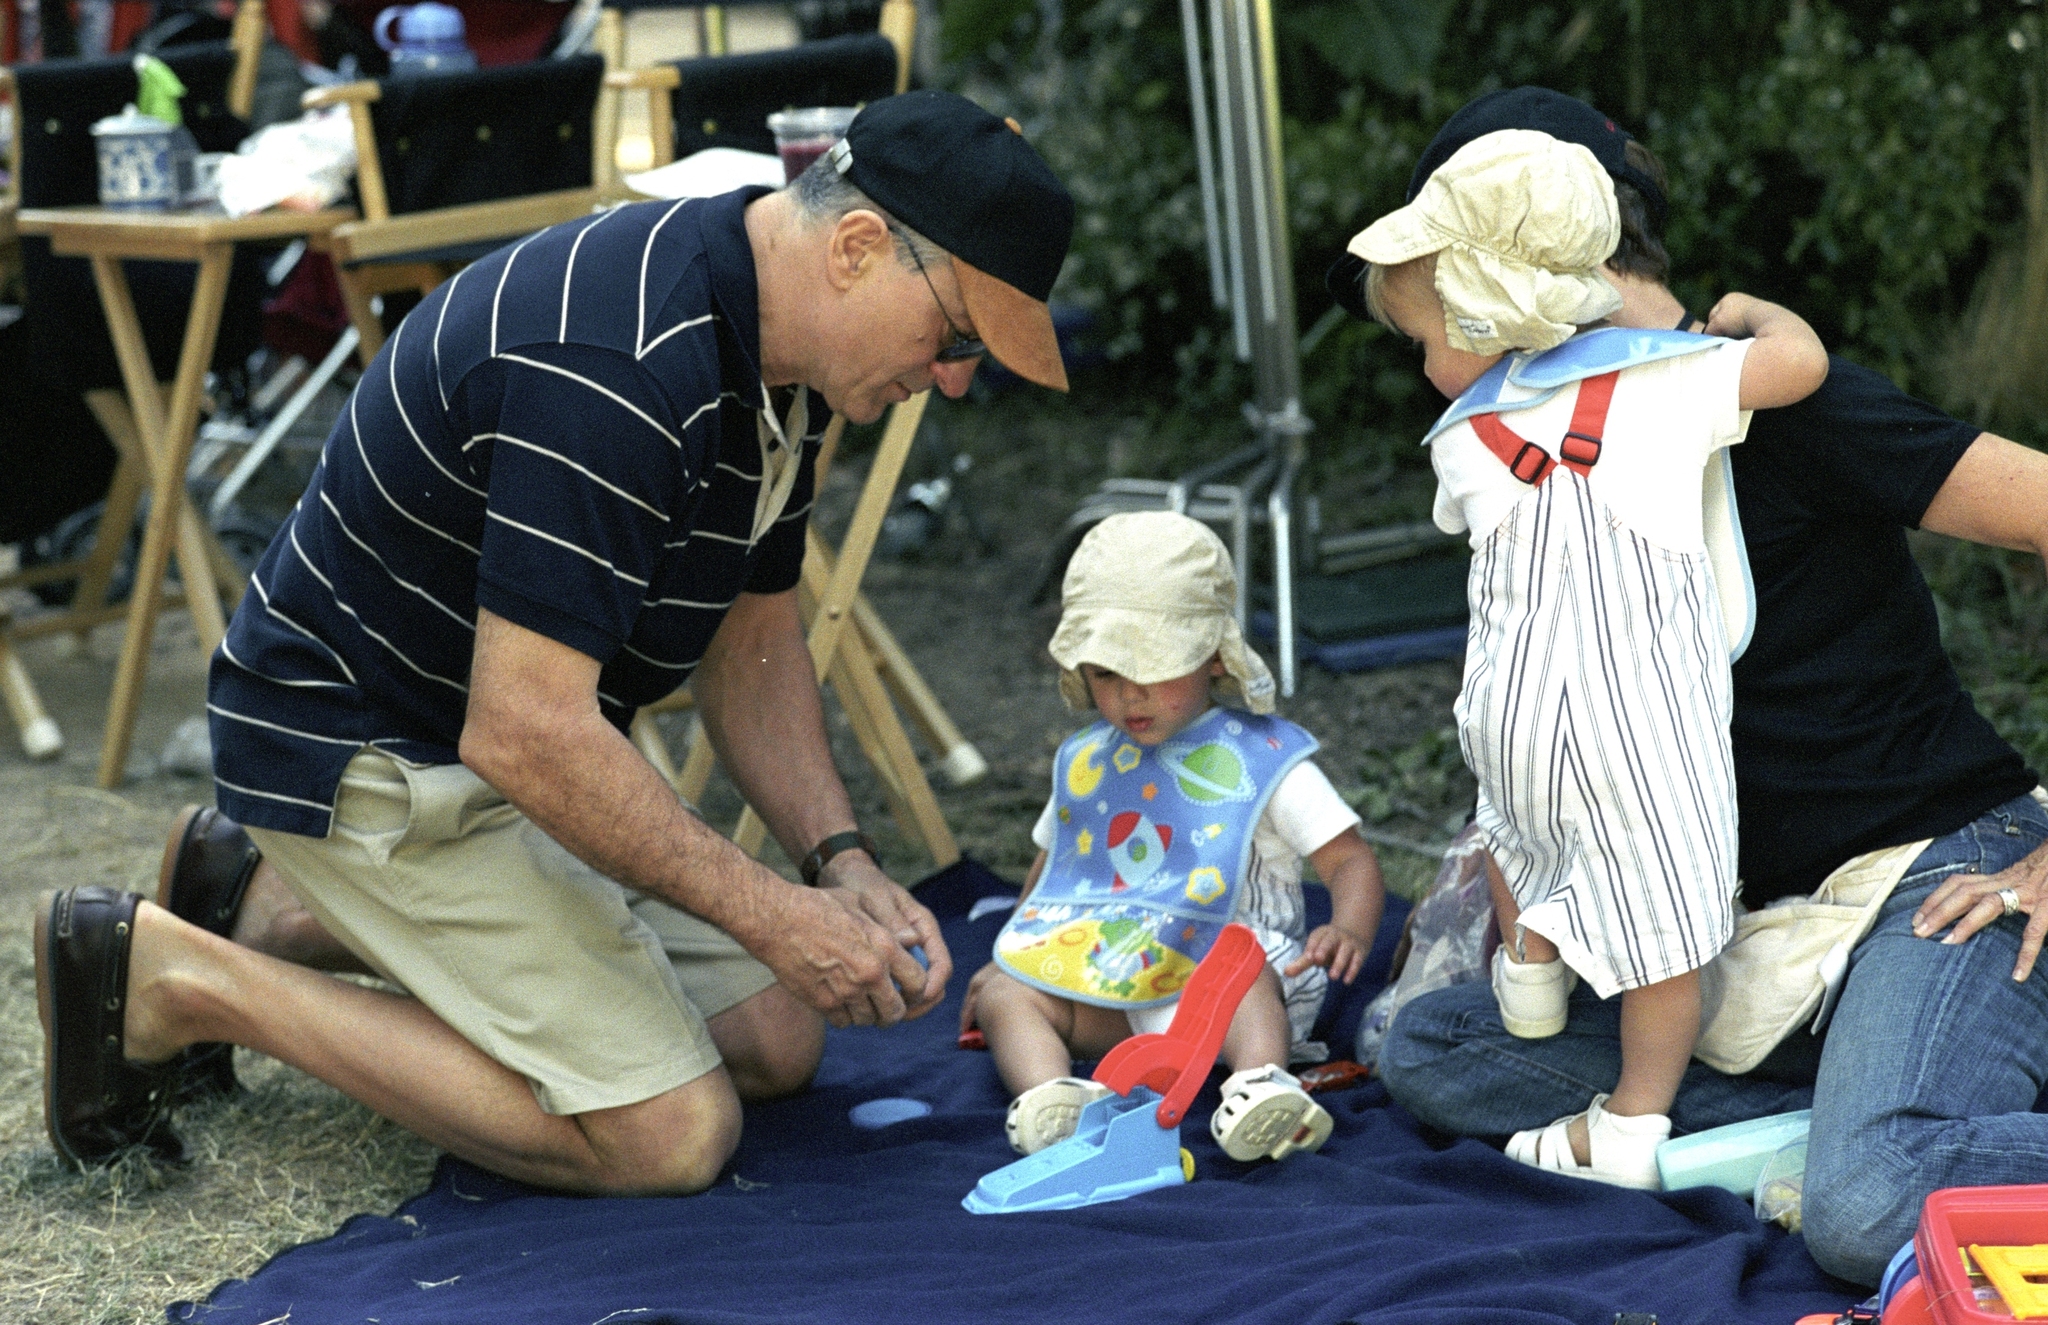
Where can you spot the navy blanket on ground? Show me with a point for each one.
(816, 1220)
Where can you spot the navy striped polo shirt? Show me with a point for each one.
(568, 433)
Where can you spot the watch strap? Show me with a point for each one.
(853, 838)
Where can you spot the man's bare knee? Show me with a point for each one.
(771, 1044)
(782, 1067)
(672, 1145)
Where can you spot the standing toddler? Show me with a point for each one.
(1596, 699)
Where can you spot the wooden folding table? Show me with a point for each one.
(164, 429)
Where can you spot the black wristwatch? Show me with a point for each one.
(814, 864)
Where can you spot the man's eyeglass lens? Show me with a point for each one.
(963, 346)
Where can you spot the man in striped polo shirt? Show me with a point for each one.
(576, 477)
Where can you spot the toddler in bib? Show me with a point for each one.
(1186, 806)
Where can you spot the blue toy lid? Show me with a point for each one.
(874, 1115)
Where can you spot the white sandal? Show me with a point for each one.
(1266, 1114)
(1048, 1112)
(1623, 1149)
(1532, 995)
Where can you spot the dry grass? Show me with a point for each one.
(283, 1164)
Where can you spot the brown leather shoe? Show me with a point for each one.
(95, 1102)
(207, 865)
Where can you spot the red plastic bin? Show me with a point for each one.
(1958, 1216)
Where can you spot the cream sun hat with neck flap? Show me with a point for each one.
(1519, 223)
(1152, 596)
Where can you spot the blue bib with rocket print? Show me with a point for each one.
(1148, 853)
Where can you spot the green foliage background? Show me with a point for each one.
(1864, 163)
(1861, 162)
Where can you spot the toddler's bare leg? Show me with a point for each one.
(1259, 1033)
(1660, 1025)
(1533, 947)
(1035, 1037)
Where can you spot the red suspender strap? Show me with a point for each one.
(1581, 446)
(1525, 460)
(1581, 449)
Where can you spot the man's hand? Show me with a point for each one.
(836, 959)
(1338, 949)
(1972, 901)
(853, 880)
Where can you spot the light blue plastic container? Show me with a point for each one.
(1731, 1157)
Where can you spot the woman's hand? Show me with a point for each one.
(1972, 901)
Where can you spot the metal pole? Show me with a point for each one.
(1205, 154)
(1270, 191)
(1248, 108)
(1228, 133)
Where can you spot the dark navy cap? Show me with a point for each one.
(971, 184)
(1567, 119)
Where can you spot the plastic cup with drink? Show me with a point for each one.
(804, 134)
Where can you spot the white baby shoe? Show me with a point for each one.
(1047, 1113)
(1623, 1149)
(1266, 1114)
(1531, 994)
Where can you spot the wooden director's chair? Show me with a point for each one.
(450, 166)
(40, 737)
(52, 162)
(723, 101)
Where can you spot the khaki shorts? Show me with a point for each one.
(596, 995)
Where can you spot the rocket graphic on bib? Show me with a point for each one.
(1148, 851)
(1137, 848)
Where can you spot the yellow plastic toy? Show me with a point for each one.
(2017, 1273)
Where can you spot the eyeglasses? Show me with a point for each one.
(963, 346)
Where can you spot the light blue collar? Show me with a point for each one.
(1521, 381)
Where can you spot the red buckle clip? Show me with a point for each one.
(1530, 464)
(1579, 449)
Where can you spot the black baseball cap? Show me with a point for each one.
(1567, 119)
(970, 183)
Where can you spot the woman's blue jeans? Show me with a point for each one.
(1927, 1076)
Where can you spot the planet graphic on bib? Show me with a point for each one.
(1137, 848)
(1208, 773)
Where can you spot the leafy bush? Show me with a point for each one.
(1867, 164)
(1862, 163)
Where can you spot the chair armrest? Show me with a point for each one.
(659, 76)
(362, 93)
(415, 232)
